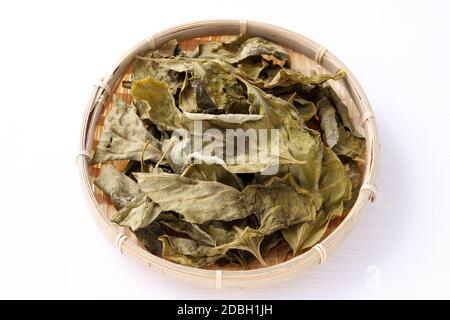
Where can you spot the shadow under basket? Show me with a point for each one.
(306, 56)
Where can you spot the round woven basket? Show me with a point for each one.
(306, 56)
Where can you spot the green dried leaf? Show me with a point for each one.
(120, 188)
(138, 213)
(165, 50)
(335, 188)
(167, 70)
(135, 209)
(304, 145)
(191, 229)
(350, 145)
(282, 77)
(222, 87)
(224, 232)
(272, 107)
(169, 253)
(300, 147)
(240, 49)
(350, 142)
(297, 142)
(213, 172)
(124, 136)
(306, 109)
(279, 203)
(328, 122)
(353, 172)
(245, 239)
(187, 99)
(142, 69)
(340, 107)
(236, 256)
(250, 69)
(161, 108)
(241, 160)
(197, 201)
(223, 120)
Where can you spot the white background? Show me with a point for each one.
(52, 52)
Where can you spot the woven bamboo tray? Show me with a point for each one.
(306, 56)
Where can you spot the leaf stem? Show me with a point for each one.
(142, 155)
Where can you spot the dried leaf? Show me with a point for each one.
(272, 107)
(224, 232)
(167, 70)
(167, 49)
(191, 229)
(279, 203)
(213, 172)
(235, 51)
(149, 235)
(283, 77)
(340, 107)
(307, 109)
(353, 172)
(169, 253)
(250, 69)
(350, 145)
(120, 188)
(274, 60)
(240, 161)
(297, 142)
(328, 122)
(245, 239)
(142, 69)
(197, 201)
(335, 188)
(222, 119)
(187, 100)
(124, 136)
(138, 213)
(222, 87)
(305, 145)
(161, 108)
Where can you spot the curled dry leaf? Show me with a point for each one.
(120, 188)
(124, 136)
(335, 189)
(279, 203)
(136, 210)
(191, 229)
(286, 77)
(196, 200)
(139, 213)
(243, 239)
(241, 49)
(149, 237)
(159, 102)
(328, 122)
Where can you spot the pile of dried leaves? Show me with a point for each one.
(197, 214)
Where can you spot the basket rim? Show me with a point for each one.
(274, 33)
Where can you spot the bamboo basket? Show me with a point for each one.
(306, 56)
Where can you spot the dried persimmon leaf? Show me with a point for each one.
(196, 200)
(124, 136)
